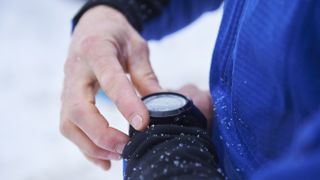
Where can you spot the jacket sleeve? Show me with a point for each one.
(155, 18)
(303, 159)
(171, 152)
(176, 15)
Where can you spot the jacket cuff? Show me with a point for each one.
(136, 11)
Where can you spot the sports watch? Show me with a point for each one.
(172, 108)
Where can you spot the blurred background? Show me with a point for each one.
(34, 37)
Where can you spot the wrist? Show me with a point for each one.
(169, 108)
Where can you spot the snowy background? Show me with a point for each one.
(34, 37)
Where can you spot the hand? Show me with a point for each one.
(104, 49)
(201, 99)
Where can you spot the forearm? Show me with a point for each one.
(171, 151)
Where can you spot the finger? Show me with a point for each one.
(104, 164)
(79, 108)
(73, 133)
(113, 80)
(87, 117)
(142, 74)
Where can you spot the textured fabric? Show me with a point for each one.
(176, 15)
(264, 81)
(171, 152)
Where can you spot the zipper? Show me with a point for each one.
(227, 63)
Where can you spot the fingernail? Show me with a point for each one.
(136, 121)
(119, 148)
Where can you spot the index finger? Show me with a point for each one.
(103, 59)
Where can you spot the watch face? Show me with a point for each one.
(165, 102)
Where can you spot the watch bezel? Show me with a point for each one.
(175, 112)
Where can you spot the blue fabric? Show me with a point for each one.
(175, 16)
(265, 84)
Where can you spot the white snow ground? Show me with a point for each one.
(34, 37)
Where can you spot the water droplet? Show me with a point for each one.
(176, 162)
(165, 170)
(219, 170)
(223, 119)
(141, 177)
(184, 161)
(161, 157)
(227, 144)
(198, 164)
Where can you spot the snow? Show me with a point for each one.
(34, 37)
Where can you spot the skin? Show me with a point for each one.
(104, 49)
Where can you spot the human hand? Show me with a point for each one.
(201, 99)
(104, 48)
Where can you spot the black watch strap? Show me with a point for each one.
(192, 118)
(136, 11)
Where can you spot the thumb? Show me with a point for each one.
(142, 74)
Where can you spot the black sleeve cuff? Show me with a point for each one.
(171, 152)
(136, 11)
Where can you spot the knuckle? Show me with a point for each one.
(119, 98)
(77, 112)
(88, 43)
(142, 46)
(103, 64)
(64, 128)
(110, 80)
(104, 141)
(149, 75)
(69, 66)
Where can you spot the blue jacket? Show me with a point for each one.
(264, 81)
